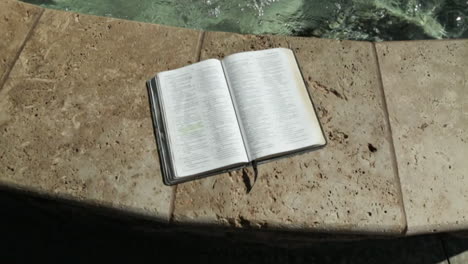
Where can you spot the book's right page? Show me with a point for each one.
(272, 103)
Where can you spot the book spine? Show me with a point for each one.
(165, 159)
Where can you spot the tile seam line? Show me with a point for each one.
(20, 50)
(200, 42)
(390, 137)
(172, 204)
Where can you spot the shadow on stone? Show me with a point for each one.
(34, 227)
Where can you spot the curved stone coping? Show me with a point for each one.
(75, 123)
(426, 87)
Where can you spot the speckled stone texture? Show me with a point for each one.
(16, 21)
(74, 114)
(426, 87)
(348, 187)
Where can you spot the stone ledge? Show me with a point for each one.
(347, 187)
(426, 88)
(74, 123)
(16, 22)
(75, 115)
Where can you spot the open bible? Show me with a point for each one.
(218, 115)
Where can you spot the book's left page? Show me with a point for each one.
(201, 125)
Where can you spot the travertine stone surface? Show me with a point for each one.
(74, 113)
(16, 21)
(348, 187)
(426, 87)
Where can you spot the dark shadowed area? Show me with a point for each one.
(35, 228)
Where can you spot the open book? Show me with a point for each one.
(218, 115)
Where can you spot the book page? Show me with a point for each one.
(274, 108)
(201, 122)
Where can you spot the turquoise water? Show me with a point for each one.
(374, 20)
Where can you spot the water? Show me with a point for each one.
(374, 20)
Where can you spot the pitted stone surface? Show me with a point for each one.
(74, 113)
(75, 124)
(426, 87)
(349, 186)
(16, 21)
